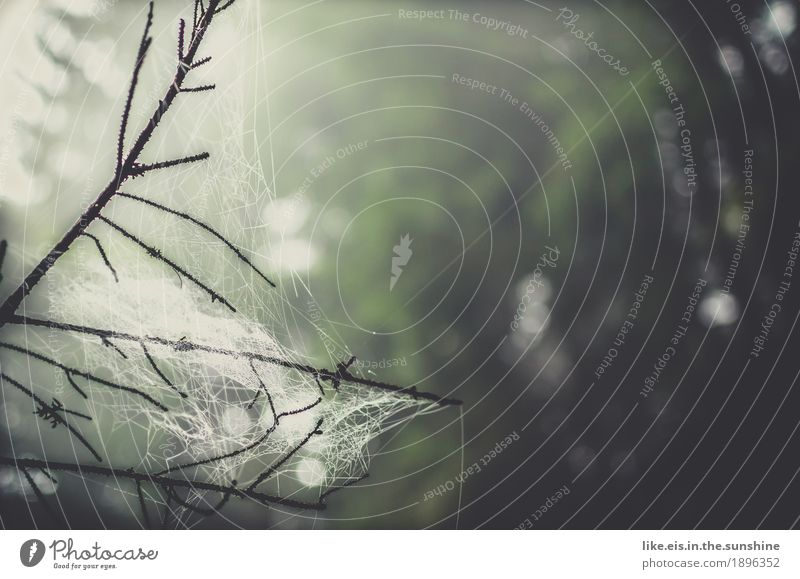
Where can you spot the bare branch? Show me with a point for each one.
(158, 371)
(129, 166)
(46, 49)
(194, 508)
(231, 454)
(142, 505)
(3, 249)
(167, 510)
(144, 45)
(203, 226)
(205, 87)
(156, 254)
(40, 495)
(102, 254)
(51, 412)
(109, 344)
(300, 410)
(181, 34)
(164, 482)
(186, 346)
(275, 466)
(250, 446)
(74, 385)
(228, 4)
(140, 169)
(258, 392)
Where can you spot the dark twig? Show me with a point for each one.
(203, 226)
(219, 458)
(244, 449)
(351, 482)
(74, 385)
(3, 249)
(156, 254)
(262, 387)
(144, 45)
(184, 345)
(228, 4)
(300, 410)
(198, 6)
(319, 384)
(200, 510)
(102, 254)
(51, 412)
(140, 169)
(62, 61)
(86, 375)
(109, 344)
(130, 165)
(129, 474)
(203, 88)
(181, 36)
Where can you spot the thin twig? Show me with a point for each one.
(142, 505)
(351, 482)
(50, 412)
(3, 248)
(201, 62)
(200, 510)
(203, 88)
(103, 255)
(275, 466)
(222, 457)
(158, 371)
(263, 387)
(40, 495)
(243, 449)
(144, 45)
(74, 385)
(228, 4)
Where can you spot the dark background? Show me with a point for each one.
(713, 446)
